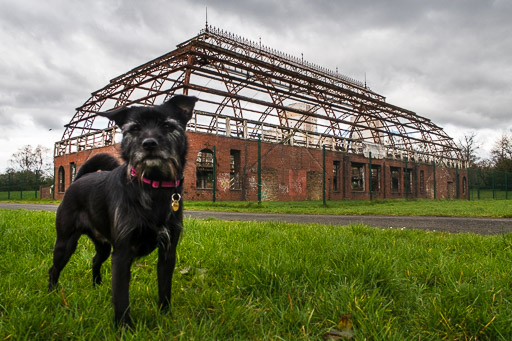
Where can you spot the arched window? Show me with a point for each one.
(464, 185)
(204, 169)
(72, 172)
(61, 178)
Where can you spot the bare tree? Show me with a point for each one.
(469, 147)
(501, 152)
(33, 160)
(502, 148)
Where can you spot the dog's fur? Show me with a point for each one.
(117, 208)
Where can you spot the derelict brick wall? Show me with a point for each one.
(79, 159)
(292, 173)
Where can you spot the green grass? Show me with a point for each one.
(18, 195)
(489, 194)
(398, 207)
(267, 281)
(418, 207)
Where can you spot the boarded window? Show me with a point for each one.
(204, 169)
(357, 179)
(395, 179)
(234, 170)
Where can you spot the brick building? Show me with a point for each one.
(306, 121)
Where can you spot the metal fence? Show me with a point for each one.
(489, 184)
(19, 185)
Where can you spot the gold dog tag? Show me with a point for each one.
(175, 205)
(176, 197)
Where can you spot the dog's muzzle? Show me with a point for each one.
(154, 183)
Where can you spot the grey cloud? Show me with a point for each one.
(448, 61)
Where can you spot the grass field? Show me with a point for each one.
(267, 281)
(402, 207)
(455, 208)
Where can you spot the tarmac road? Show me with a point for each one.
(444, 224)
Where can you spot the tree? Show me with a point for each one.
(501, 153)
(468, 147)
(35, 160)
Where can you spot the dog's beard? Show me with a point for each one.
(156, 169)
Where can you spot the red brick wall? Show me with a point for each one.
(291, 173)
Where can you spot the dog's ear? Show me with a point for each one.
(185, 104)
(119, 115)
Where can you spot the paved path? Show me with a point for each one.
(445, 224)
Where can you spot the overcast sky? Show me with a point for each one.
(449, 61)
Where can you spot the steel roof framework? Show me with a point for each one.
(249, 87)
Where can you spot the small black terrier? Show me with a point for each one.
(135, 207)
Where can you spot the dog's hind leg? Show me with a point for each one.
(102, 254)
(64, 248)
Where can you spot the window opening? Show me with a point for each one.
(357, 180)
(395, 179)
(375, 178)
(204, 169)
(234, 170)
(336, 176)
(61, 180)
(72, 172)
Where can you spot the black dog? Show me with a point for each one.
(134, 207)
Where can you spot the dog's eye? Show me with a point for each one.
(167, 126)
(135, 128)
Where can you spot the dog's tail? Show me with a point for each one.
(99, 162)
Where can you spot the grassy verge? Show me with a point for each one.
(418, 207)
(454, 208)
(267, 281)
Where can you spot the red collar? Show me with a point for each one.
(156, 184)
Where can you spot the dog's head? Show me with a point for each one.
(154, 141)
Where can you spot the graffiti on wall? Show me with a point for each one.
(224, 182)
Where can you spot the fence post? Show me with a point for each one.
(457, 186)
(478, 185)
(468, 182)
(406, 180)
(9, 186)
(323, 175)
(493, 189)
(259, 168)
(53, 184)
(434, 174)
(37, 185)
(214, 174)
(370, 175)
(21, 185)
(506, 186)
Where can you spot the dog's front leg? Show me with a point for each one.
(121, 263)
(165, 270)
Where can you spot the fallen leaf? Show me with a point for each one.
(345, 322)
(346, 331)
(335, 334)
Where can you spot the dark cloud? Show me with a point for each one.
(448, 61)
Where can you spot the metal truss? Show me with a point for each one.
(246, 89)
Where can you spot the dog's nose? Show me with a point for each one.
(149, 143)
